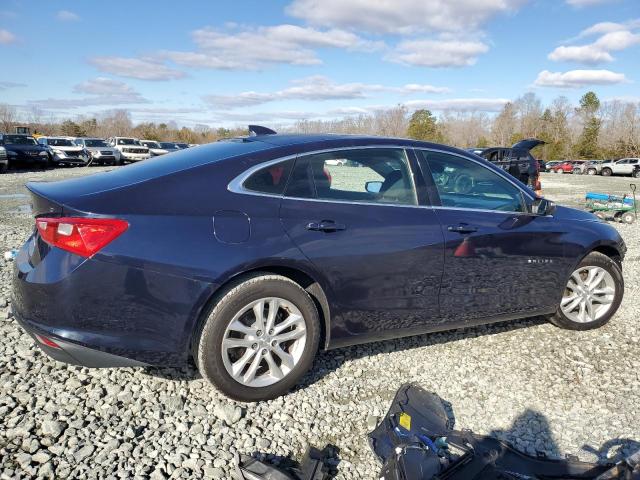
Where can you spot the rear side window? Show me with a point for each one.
(372, 175)
(463, 183)
(271, 180)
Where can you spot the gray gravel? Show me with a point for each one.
(528, 382)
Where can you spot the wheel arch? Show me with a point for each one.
(298, 275)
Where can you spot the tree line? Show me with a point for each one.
(590, 130)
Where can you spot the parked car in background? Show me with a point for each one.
(155, 149)
(131, 150)
(4, 161)
(245, 256)
(517, 160)
(624, 166)
(586, 167)
(64, 151)
(549, 165)
(24, 150)
(170, 146)
(99, 151)
(563, 167)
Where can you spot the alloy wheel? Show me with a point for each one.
(264, 342)
(588, 295)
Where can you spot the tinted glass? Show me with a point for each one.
(19, 140)
(376, 175)
(60, 142)
(95, 143)
(271, 179)
(462, 183)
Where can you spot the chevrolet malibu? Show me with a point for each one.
(250, 255)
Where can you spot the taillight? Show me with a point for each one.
(47, 341)
(80, 235)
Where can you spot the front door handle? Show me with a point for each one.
(325, 226)
(462, 228)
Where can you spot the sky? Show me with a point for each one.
(275, 62)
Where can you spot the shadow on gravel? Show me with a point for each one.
(327, 362)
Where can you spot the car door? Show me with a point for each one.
(354, 214)
(499, 259)
(622, 167)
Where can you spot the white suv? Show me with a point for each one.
(131, 150)
(625, 166)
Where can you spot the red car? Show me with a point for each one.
(564, 167)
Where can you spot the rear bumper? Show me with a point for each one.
(121, 313)
(76, 354)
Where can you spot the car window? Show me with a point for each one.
(271, 179)
(463, 183)
(375, 175)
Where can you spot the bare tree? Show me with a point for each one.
(8, 117)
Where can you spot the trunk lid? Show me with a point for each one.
(528, 143)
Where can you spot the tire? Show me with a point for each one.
(612, 279)
(216, 364)
(606, 172)
(628, 218)
(561, 171)
(592, 171)
(636, 173)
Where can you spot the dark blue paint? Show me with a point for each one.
(392, 271)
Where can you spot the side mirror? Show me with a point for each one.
(542, 206)
(373, 187)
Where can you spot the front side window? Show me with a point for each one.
(375, 175)
(271, 179)
(463, 183)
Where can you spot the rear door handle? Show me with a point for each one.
(462, 228)
(325, 226)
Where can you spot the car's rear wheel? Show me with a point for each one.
(606, 172)
(592, 171)
(259, 339)
(592, 294)
(636, 173)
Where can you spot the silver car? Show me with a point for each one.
(4, 160)
(100, 152)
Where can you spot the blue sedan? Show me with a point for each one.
(248, 255)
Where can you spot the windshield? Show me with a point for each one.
(151, 144)
(128, 141)
(60, 142)
(167, 145)
(19, 140)
(95, 143)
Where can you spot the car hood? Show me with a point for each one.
(24, 148)
(575, 214)
(528, 143)
(67, 149)
(101, 149)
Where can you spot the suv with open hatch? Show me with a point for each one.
(249, 255)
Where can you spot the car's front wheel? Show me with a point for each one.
(592, 171)
(606, 172)
(592, 294)
(259, 339)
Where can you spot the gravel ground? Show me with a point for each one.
(528, 382)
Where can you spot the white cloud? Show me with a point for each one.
(316, 88)
(460, 104)
(140, 68)
(7, 85)
(103, 86)
(578, 78)
(587, 3)
(588, 54)
(101, 91)
(614, 37)
(401, 16)
(6, 37)
(437, 53)
(241, 48)
(67, 16)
